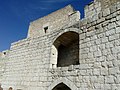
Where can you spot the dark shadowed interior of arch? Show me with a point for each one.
(61, 86)
(68, 49)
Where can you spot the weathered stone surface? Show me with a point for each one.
(67, 52)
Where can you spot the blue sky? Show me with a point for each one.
(15, 16)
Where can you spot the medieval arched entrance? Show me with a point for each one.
(65, 49)
(61, 86)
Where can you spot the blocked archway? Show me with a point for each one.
(61, 86)
(65, 49)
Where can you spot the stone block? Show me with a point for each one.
(109, 79)
(98, 41)
(84, 66)
(97, 53)
(111, 57)
(113, 37)
(93, 48)
(96, 72)
(118, 17)
(106, 12)
(82, 72)
(104, 39)
(107, 87)
(118, 30)
(113, 71)
(110, 32)
(113, 9)
(111, 26)
(116, 49)
(104, 71)
(101, 59)
(109, 64)
(93, 79)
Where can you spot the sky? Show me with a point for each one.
(16, 15)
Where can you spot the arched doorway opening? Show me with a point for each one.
(61, 86)
(65, 50)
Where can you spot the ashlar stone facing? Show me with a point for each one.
(63, 52)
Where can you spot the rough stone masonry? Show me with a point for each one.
(64, 52)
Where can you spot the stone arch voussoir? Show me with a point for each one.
(64, 80)
(76, 30)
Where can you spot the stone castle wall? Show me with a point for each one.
(30, 63)
(99, 55)
(27, 65)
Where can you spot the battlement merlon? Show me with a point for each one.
(54, 21)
